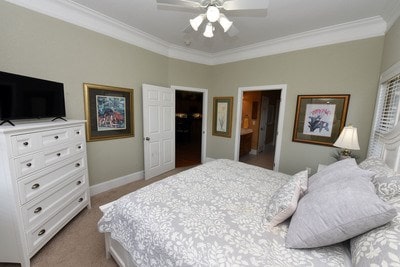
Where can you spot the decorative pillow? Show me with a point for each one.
(284, 202)
(378, 166)
(342, 169)
(387, 187)
(378, 247)
(337, 208)
(303, 178)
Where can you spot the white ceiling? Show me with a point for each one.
(287, 24)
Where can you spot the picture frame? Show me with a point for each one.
(222, 116)
(320, 118)
(108, 112)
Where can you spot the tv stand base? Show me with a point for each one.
(4, 121)
(61, 118)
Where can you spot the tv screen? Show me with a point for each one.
(23, 97)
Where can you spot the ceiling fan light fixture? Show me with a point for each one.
(208, 32)
(225, 22)
(213, 13)
(196, 22)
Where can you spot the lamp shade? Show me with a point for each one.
(225, 23)
(348, 139)
(208, 32)
(196, 22)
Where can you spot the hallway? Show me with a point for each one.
(264, 159)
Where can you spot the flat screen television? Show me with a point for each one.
(23, 97)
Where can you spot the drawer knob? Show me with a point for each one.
(79, 147)
(78, 132)
(77, 165)
(35, 186)
(56, 137)
(37, 210)
(41, 232)
(78, 183)
(58, 154)
(80, 199)
(25, 143)
(28, 164)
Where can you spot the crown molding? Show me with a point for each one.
(82, 16)
(356, 30)
(393, 15)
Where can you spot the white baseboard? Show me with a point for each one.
(253, 152)
(102, 187)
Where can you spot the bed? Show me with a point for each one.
(227, 213)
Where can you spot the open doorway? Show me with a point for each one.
(258, 127)
(259, 124)
(188, 128)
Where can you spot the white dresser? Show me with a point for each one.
(43, 184)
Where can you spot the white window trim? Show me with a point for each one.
(393, 71)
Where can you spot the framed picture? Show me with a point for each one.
(108, 112)
(222, 116)
(320, 118)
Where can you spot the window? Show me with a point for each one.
(387, 109)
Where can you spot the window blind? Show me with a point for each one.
(386, 114)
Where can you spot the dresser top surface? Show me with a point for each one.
(33, 125)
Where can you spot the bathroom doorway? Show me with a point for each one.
(260, 115)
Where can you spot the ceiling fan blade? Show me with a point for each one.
(245, 4)
(188, 29)
(233, 31)
(180, 3)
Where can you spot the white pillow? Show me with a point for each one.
(284, 202)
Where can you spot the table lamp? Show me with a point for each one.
(348, 140)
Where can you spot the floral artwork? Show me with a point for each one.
(222, 116)
(110, 113)
(319, 119)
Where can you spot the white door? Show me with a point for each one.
(158, 130)
(263, 124)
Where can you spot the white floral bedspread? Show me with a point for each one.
(210, 215)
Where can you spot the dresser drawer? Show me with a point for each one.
(47, 204)
(33, 162)
(38, 236)
(61, 152)
(78, 132)
(25, 143)
(38, 183)
(27, 164)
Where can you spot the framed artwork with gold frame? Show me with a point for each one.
(108, 112)
(222, 116)
(320, 118)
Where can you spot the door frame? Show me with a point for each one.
(283, 89)
(204, 116)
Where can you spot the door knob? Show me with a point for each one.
(147, 138)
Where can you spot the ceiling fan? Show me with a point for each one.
(213, 12)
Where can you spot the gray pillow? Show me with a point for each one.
(342, 169)
(380, 246)
(335, 210)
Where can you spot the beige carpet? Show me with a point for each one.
(79, 243)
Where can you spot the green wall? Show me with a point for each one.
(346, 68)
(37, 45)
(40, 46)
(391, 51)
